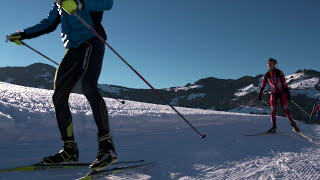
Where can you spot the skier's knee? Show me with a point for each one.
(58, 100)
(89, 89)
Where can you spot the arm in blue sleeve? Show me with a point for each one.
(97, 5)
(47, 25)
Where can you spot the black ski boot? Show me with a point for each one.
(295, 127)
(106, 155)
(273, 129)
(68, 155)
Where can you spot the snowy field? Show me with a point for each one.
(28, 131)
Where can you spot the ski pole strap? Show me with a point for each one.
(300, 108)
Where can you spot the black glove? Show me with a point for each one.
(17, 37)
(286, 90)
(259, 98)
(289, 97)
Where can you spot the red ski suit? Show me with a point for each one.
(279, 90)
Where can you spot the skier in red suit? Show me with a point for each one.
(316, 111)
(279, 90)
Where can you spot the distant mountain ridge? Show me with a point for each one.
(35, 75)
(237, 95)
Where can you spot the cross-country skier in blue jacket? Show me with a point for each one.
(82, 61)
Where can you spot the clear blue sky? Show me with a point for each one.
(174, 42)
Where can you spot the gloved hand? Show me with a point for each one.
(286, 90)
(259, 98)
(70, 6)
(17, 37)
(289, 97)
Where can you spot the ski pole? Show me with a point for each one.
(23, 43)
(265, 103)
(152, 88)
(300, 108)
(38, 52)
(26, 45)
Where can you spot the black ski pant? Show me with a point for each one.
(81, 63)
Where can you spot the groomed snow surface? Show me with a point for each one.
(29, 131)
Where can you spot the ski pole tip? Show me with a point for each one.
(203, 136)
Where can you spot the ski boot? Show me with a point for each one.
(273, 129)
(106, 155)
(295, 127)
(68, 155)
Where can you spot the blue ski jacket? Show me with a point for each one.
(73, 32)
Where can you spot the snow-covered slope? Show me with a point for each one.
(298, 83)
(184, 88)
(246, 90)
(305, 84)
(28, 131)
(111, 89)
(295, 77)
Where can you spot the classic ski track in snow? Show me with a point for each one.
(286, 165)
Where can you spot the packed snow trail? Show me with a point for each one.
(29, 131)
